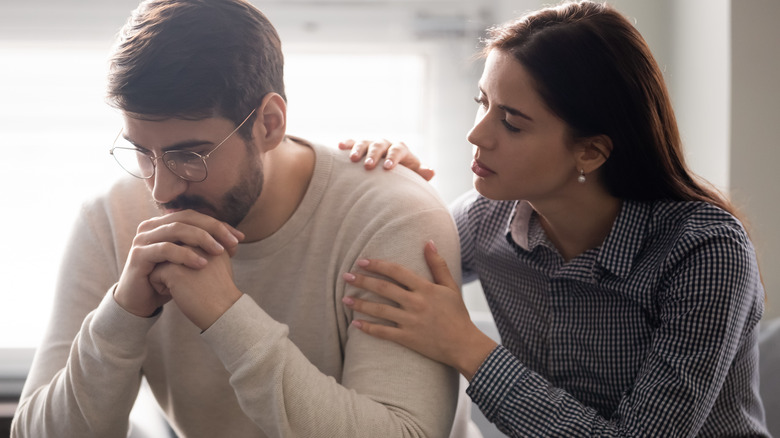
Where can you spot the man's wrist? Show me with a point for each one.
(140, 312)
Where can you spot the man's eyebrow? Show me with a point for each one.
(186, 144)
(509, 109)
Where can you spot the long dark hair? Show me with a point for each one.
(596, 72)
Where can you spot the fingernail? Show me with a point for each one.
(348, 277)
(369, 161)
(357, 324)
(202, 261)
(362, 263)
(388, 164)
(348, 301)
(433, 247)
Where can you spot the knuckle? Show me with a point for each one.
(383, 287)
(392, 270)
(135, 252)
(145, 226)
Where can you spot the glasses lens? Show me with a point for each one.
(187, 165)
(134, 162)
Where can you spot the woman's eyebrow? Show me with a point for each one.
(515, 112)
(509, 109)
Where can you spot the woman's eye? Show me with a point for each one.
(481, 101)
(510, 127)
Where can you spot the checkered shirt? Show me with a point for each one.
(654, 333)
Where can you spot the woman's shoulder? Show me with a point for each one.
(694, 218)
(687, 227)
(474, 207)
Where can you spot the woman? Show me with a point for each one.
(626, 293)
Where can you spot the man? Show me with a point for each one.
(235, 339)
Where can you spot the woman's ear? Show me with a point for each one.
(271, 123)
(593, 152)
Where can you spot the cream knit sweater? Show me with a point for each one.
(283, 361)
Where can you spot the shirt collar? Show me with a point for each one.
(617, 253)
(625, 240)
(519, 224)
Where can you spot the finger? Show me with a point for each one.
(394, 271)
(155, 279)
(380, 331)
(438, 266)
(379, 286)
(377, 310)
(346, 144)
(426, 173)
(166, 252)
(183, 234)
(396, 154)
(413, 164)
(376, 151)
(226, 235)
(359, 150)
(235, 231)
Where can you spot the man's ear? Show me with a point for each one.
(593, 152)
(271, 123)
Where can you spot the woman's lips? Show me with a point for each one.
(480, 169)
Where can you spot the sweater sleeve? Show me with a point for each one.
(385, 390)
(86, 372)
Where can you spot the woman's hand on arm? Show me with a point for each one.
(392, 153)
(431, 319)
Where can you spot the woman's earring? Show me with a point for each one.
(581, 178)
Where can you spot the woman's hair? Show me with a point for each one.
(595, 71)
(195, 59)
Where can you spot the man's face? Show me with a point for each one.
(235, 175)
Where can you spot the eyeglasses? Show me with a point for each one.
(187, 165)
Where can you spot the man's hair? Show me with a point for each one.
(194, 59)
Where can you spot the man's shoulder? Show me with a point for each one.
(398, 186)
(127, 197)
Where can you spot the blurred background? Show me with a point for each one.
(395, 69)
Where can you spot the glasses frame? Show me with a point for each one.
(153, 159)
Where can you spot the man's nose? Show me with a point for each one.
(165, 185)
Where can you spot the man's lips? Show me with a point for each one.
(480, 169)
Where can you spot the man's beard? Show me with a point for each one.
(236, 203)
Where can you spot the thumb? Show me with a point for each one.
(438, 266)
(426, 173)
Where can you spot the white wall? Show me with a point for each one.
(755, 131)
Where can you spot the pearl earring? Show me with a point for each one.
(581, 178)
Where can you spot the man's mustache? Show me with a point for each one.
(185, 202)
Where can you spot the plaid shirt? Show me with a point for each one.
(654, 333)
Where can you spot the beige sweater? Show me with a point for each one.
(283, 361)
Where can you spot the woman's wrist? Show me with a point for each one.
(475, 353)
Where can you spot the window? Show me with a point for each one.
(57, 129)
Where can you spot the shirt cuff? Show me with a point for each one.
(241, 330)
(120, 328)
(494, 379)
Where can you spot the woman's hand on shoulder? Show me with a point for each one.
(431, 317)
(390, 154)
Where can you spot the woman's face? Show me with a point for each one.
(521, 149)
